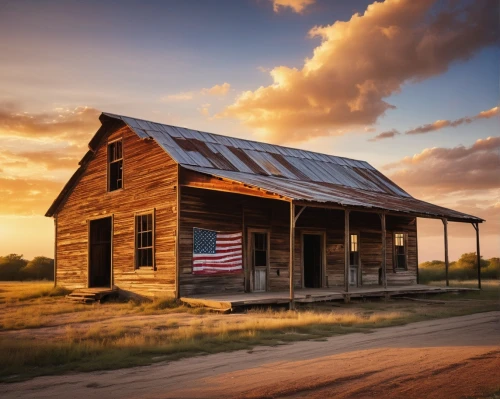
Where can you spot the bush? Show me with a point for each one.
(463, 269)
(11, 266)
(14, 268)
(40, 268)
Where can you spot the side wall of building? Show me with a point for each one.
(150, 178)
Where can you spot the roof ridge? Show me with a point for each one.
(238, 138)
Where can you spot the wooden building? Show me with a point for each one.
(307, 220)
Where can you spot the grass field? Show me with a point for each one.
(42, 333)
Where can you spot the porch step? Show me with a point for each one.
(91, 295)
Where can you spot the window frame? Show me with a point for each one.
(396, 266)
(109, 163)
(151, 212)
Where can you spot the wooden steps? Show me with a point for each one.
(91, 295)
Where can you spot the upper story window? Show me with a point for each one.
(115, 165)
(400, 261)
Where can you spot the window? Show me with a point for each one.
(260, 249)
(115, 165)
(400, 251)
(354, 252)
(144, 241)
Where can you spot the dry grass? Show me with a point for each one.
(44, 334)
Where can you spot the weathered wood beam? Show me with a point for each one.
(299, 213)
(446, 260)
(177, 235)
(292, 250)
(384, 249)
(478, 253)
(347, 238)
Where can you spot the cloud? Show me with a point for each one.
(204, 110)
(297, 6)
(182, 96)
(441, 124)
(27, 196)
(487, 210)
(361, 62)
(448, 170)
(53, 159)
(72, 125)
(217, 90)
(385, 135)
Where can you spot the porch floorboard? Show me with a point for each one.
(306, 295)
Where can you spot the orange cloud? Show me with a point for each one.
(217, 90)
(27, 196)
(182, 96)
(385, 135)
(448, 170)
(441, 124)
(360, 63)
(62, 158)
(487, 210)
(204, 110)
(297, 6)
(73, 125)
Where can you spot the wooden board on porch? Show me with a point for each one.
(308, 295)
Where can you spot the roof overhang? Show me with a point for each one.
(332, 196)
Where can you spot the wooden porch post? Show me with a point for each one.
(446, 260)
(384, 250)
(292, 249)
(347, 238)
(177, 234)
(478, 253)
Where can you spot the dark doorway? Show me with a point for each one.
(100, 252)
(312, 260)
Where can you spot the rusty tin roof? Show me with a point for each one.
(292, 173)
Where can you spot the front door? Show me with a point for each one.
(259, 244)
(100, 232)
(312, 260)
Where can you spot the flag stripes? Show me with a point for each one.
(216, 252)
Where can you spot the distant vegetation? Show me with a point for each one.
(462, 269)
(14, 267)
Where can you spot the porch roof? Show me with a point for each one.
(333, 194)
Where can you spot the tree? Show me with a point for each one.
(468, 261)
(40, 268)
(10, 266)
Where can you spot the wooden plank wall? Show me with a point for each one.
(224, 212)
(149, 182)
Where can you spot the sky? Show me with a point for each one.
(412, 87)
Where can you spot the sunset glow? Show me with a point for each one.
(409, 86)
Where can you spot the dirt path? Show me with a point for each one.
(448, 358)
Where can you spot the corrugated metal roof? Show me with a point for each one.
(298, 175)
(333, 193)
(195, 148)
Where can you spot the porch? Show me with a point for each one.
(308, 295)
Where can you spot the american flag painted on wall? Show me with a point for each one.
(216, 252)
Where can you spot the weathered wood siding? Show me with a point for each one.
(149, 183)
(228, 210)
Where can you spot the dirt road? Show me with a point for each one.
(448, 358)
